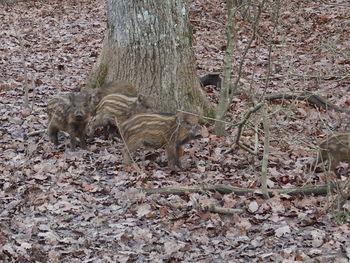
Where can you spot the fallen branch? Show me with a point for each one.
(332, 257)
(38, 132)
(227, 189)
(211, 208)
(310, 98)
(334, 4)
(34, 133)
(222, 210)
(307, 77)
(241, 125)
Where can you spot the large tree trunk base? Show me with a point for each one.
(149, 44)
(101, 69)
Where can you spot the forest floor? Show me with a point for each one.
(85, 206)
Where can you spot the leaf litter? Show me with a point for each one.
(57, 206)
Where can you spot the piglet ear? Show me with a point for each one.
(87, 92)
(71, 97)
(180, 116)
(88, 96)
(140, 98)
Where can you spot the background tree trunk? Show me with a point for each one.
(226, 89)
(148, 43)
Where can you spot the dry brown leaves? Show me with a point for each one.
(58, 206)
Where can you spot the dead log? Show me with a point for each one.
(227, 189)
(210, 208)
(311, 98)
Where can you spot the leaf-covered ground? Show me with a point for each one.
(85, 206)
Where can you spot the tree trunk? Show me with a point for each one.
(226, 89)
(148, 43)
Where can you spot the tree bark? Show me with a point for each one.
(225, 97)
(148, 43)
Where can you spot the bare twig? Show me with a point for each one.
(266, 122)
(26, 82)
(225, 98)
(276, 17)
(255, 28)
(265, 159)
(241, 124)
(229, 91)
